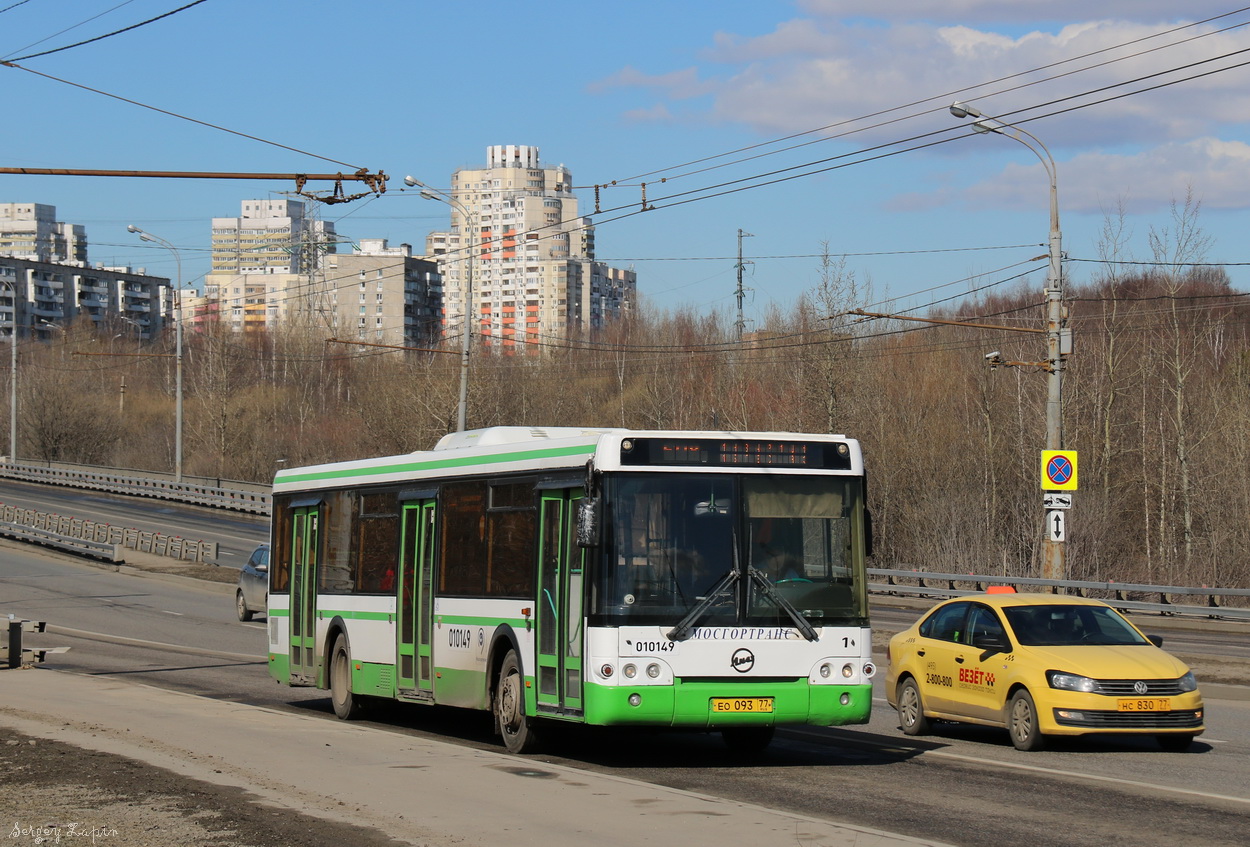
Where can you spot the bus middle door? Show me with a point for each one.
(415, 605)
(560, 612)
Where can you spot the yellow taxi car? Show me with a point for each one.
(1039, 665)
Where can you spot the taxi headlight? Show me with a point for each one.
(1187, 682)
(1070, 681)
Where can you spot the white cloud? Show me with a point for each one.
(1218, 172)
(815, 72)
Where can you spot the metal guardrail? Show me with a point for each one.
(1211, 602)
(225, 494)
(255, 498)
(83, 547)
(98, 540)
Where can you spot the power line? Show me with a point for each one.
(110, 34)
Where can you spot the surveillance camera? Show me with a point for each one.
(994, 355)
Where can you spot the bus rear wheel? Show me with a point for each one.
(346, 704)
(514, 725)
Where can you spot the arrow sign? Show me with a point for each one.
(1056, 529)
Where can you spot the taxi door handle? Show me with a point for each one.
(959, 659)
(919, 652)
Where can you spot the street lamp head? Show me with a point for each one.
(963, 110)
(411, 182)
(133, 228)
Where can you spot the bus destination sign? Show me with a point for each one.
(735, 453)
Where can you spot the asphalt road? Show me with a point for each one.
(964, 786)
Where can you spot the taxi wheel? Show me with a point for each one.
(911, 709)
(1022, 722)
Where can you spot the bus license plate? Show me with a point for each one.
(742, 704)
(1144, 704)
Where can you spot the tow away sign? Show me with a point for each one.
(1052, 500)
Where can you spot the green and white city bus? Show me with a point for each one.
(699, 580)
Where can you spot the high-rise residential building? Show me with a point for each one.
(31, 231)
(535, 277)
(270, 237)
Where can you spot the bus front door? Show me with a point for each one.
(560, 613)
(415, 677)
(304, 548)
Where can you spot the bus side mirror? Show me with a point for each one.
(588, 522)
(867, 532)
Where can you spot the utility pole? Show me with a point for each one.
(741, 324)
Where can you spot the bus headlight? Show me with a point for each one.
(606, 671)
(653, 670)
(630, 671)
(826, 670)
(848, 670)
(869, 669)
(635, 699)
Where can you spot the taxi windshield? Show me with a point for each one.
(1056, 625)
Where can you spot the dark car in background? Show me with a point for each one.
(252, 595)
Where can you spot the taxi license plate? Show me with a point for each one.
(1144, 704)
(742, 704)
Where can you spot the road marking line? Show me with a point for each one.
(1111, 779)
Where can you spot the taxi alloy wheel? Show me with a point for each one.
(911, 709)
(1022, 722)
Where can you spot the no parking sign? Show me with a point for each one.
(1059, 470)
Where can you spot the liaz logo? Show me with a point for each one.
(976, 676)
(742, 660)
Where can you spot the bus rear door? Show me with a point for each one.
(305, 544)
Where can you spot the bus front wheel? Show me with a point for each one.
(346, 704)
(514, 725)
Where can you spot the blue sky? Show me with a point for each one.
(637, 92)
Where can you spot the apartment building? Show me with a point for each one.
(272, 237)
(31, 231)
(380, 294)
(37, 296)
(534, 275)
(376, 293)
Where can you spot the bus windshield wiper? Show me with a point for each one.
(804, 626)
(682, 629)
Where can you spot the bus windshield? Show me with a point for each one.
(672, 540)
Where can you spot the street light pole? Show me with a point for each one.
(12, 286)
(428, 193)
(155, 239)
(1058, 337)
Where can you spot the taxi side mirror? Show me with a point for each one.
(991, 644)
(1156, 640)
